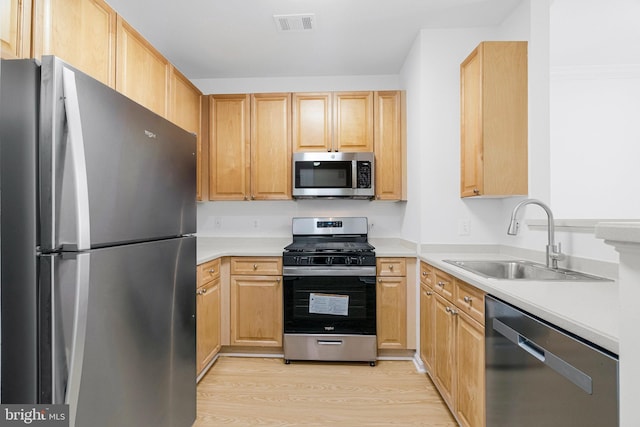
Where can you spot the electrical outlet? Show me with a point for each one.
(217, 223)
(464, 227)
(256, 224)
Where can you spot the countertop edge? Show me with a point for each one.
(586, 329)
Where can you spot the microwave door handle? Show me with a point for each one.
(354, 174)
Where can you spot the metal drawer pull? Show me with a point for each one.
(255, 266)
(467, 299)
(570, 372)
(441, 284)
(212, 271)
(329, 342)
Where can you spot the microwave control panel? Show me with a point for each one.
(364, 174)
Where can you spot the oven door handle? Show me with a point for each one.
(336, 270)
(329, 342)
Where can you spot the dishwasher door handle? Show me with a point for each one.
(570, 372)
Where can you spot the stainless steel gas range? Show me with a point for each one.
(330, 291)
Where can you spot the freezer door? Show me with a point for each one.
(119, 338)
(111, 171)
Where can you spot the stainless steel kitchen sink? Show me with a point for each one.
(521, 270)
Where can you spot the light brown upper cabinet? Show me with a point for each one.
(312, 121)
(80, 32)
(15, 35)
(185, 111)
(250, 147)
(333, 121)
(353, 121)
(493, 87)
(229, 133)
(142, 72)
(390, 145)
(271, 146)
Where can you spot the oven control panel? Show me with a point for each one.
(293, 259)
(329, 224)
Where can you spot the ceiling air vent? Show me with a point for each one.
(295, 23)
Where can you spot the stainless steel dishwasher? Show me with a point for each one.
(539, 375)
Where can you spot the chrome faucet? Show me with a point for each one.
(554, 253)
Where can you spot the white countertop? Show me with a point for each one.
(209, 248)
(587, 309)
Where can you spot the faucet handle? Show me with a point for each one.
(555, 252)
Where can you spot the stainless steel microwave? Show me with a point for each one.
(337, 174)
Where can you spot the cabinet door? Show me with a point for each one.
(493, 127)
(390, 145)
(15, 35)
(427, 326)
(444, 372)
(271, 146)
(471, 125)
(312, 122)
(185, 111)
(256, 311)
(391, 300)
(207, 322)
(81, 32)
(142, 72)
(184, 106)
(353, 121)
(470, 390)
(229, 147)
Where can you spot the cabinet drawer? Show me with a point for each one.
(265, 266)
(208, 271)
(426, 274)
(391, 267)
(470, 300)
(444, 284)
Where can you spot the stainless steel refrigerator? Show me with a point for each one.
(98, 253)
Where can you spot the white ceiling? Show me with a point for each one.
(239, 38)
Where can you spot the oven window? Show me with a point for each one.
(335, 174)
(330, 304)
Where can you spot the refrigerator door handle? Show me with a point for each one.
(76, 145)
(79, 334)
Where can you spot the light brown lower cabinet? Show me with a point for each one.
(391, 303)
(452, 343)
(256, 301)
(208, 317)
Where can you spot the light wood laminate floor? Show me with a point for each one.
(266, 392)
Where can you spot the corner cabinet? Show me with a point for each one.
(208, 313)
(452, 342)
(256, 301)
(494, 117)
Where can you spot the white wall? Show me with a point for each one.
(434, 210)
(595, 105)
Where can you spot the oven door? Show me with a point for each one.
(327, 304)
